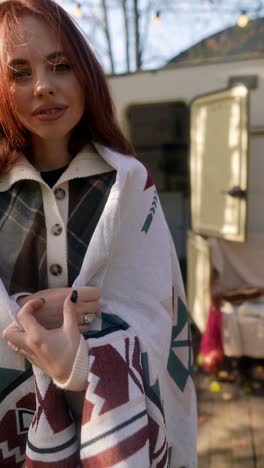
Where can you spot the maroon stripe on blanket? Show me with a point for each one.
(69, 462)
(162, 448)
(153, 436)
(163, 462)
(53, 405)
(149, 181)
(135, 362)
(119, 452)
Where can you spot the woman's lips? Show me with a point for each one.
(50, 114)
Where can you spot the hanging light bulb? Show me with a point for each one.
(242, 21)
(78, 11)
(157, 19)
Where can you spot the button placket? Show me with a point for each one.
(57, 268)
(62, 200)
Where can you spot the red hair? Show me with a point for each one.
(99, 121)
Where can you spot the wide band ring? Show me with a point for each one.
(15, 348)
(88, 318)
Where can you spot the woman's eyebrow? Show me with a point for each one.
(16, 62)
(49, 57)
(55, 55)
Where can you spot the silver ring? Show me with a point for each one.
(88, 318)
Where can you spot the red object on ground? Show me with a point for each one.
(211, 348)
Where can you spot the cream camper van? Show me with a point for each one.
(198, 125)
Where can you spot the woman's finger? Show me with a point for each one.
(26, 317)
(70, 320)
(16, 340)
(13, 346)
(88, 294)
(14, 335)
(88, 307)
(13, 327)
(84, 328)
(20, 351)
(26, 354)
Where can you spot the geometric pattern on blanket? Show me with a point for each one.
(153, 397)
(17, 406)
(122, 418)
(52, 438)
(151, 213)
(180, 361)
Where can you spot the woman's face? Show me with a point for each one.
(48, 97)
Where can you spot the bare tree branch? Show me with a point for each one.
(108, 36)
(137, 35)
(127, 33)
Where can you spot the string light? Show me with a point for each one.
(242, 21)
(157, 19)
(78, 11)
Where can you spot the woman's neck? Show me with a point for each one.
(49, 155)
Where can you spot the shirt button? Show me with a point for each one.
(56, 270)
(56, 229)
(59, 193)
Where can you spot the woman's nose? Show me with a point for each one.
(43, 86)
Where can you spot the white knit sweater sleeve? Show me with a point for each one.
(77, 380)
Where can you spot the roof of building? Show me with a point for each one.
(233, 43)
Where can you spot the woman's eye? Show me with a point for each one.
(20, 74)
(60, 67)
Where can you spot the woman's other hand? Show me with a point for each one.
(53, 351)
(50, 312)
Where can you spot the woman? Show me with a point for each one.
(80, 219)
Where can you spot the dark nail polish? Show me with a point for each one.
(74, 296)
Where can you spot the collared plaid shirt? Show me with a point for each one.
(23, 233)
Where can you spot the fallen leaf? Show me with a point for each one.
(222, 375)
(215, 387)
(227, 396)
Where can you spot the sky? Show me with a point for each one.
(182, 24)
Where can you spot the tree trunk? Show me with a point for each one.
(127, 36)
(137, 35)
(108, 37)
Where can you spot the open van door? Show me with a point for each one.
(219, 163)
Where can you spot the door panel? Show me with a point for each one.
(219, 159)
(198, 279)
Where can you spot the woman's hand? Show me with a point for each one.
(53, 351)
(50, 313)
